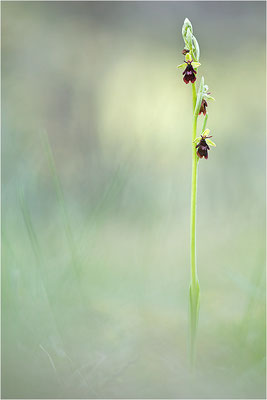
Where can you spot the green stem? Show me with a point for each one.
(205, 122)
(194, 93)
(194, 285)
(193, 194)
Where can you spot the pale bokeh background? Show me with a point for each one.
(96, 171)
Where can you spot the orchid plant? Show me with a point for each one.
(200, 147)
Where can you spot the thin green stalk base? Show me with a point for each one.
(194, 313)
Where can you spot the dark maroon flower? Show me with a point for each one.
(185, 51)
(202, 147)
(203, 106)
(189, 73)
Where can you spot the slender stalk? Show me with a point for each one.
(205, 122)
(194, 286)
(192, 54)
(193, 208)
(194, 96)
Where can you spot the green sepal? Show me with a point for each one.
(210, 142)
(181, 65)
(205, 133)
(197, 139)
(195, 64)
(208, 96)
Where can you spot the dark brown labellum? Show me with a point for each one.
(189, 73)
(203, 107)
(202, 148)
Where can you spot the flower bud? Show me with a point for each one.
(187, 25)
(185, 51)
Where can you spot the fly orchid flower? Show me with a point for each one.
(203, 145)
(189, 72)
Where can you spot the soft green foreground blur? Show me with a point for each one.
(96, 175)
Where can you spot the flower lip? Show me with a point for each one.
(189, 73)
(203, 107)
(202, 147)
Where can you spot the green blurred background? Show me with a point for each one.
(96, 177)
